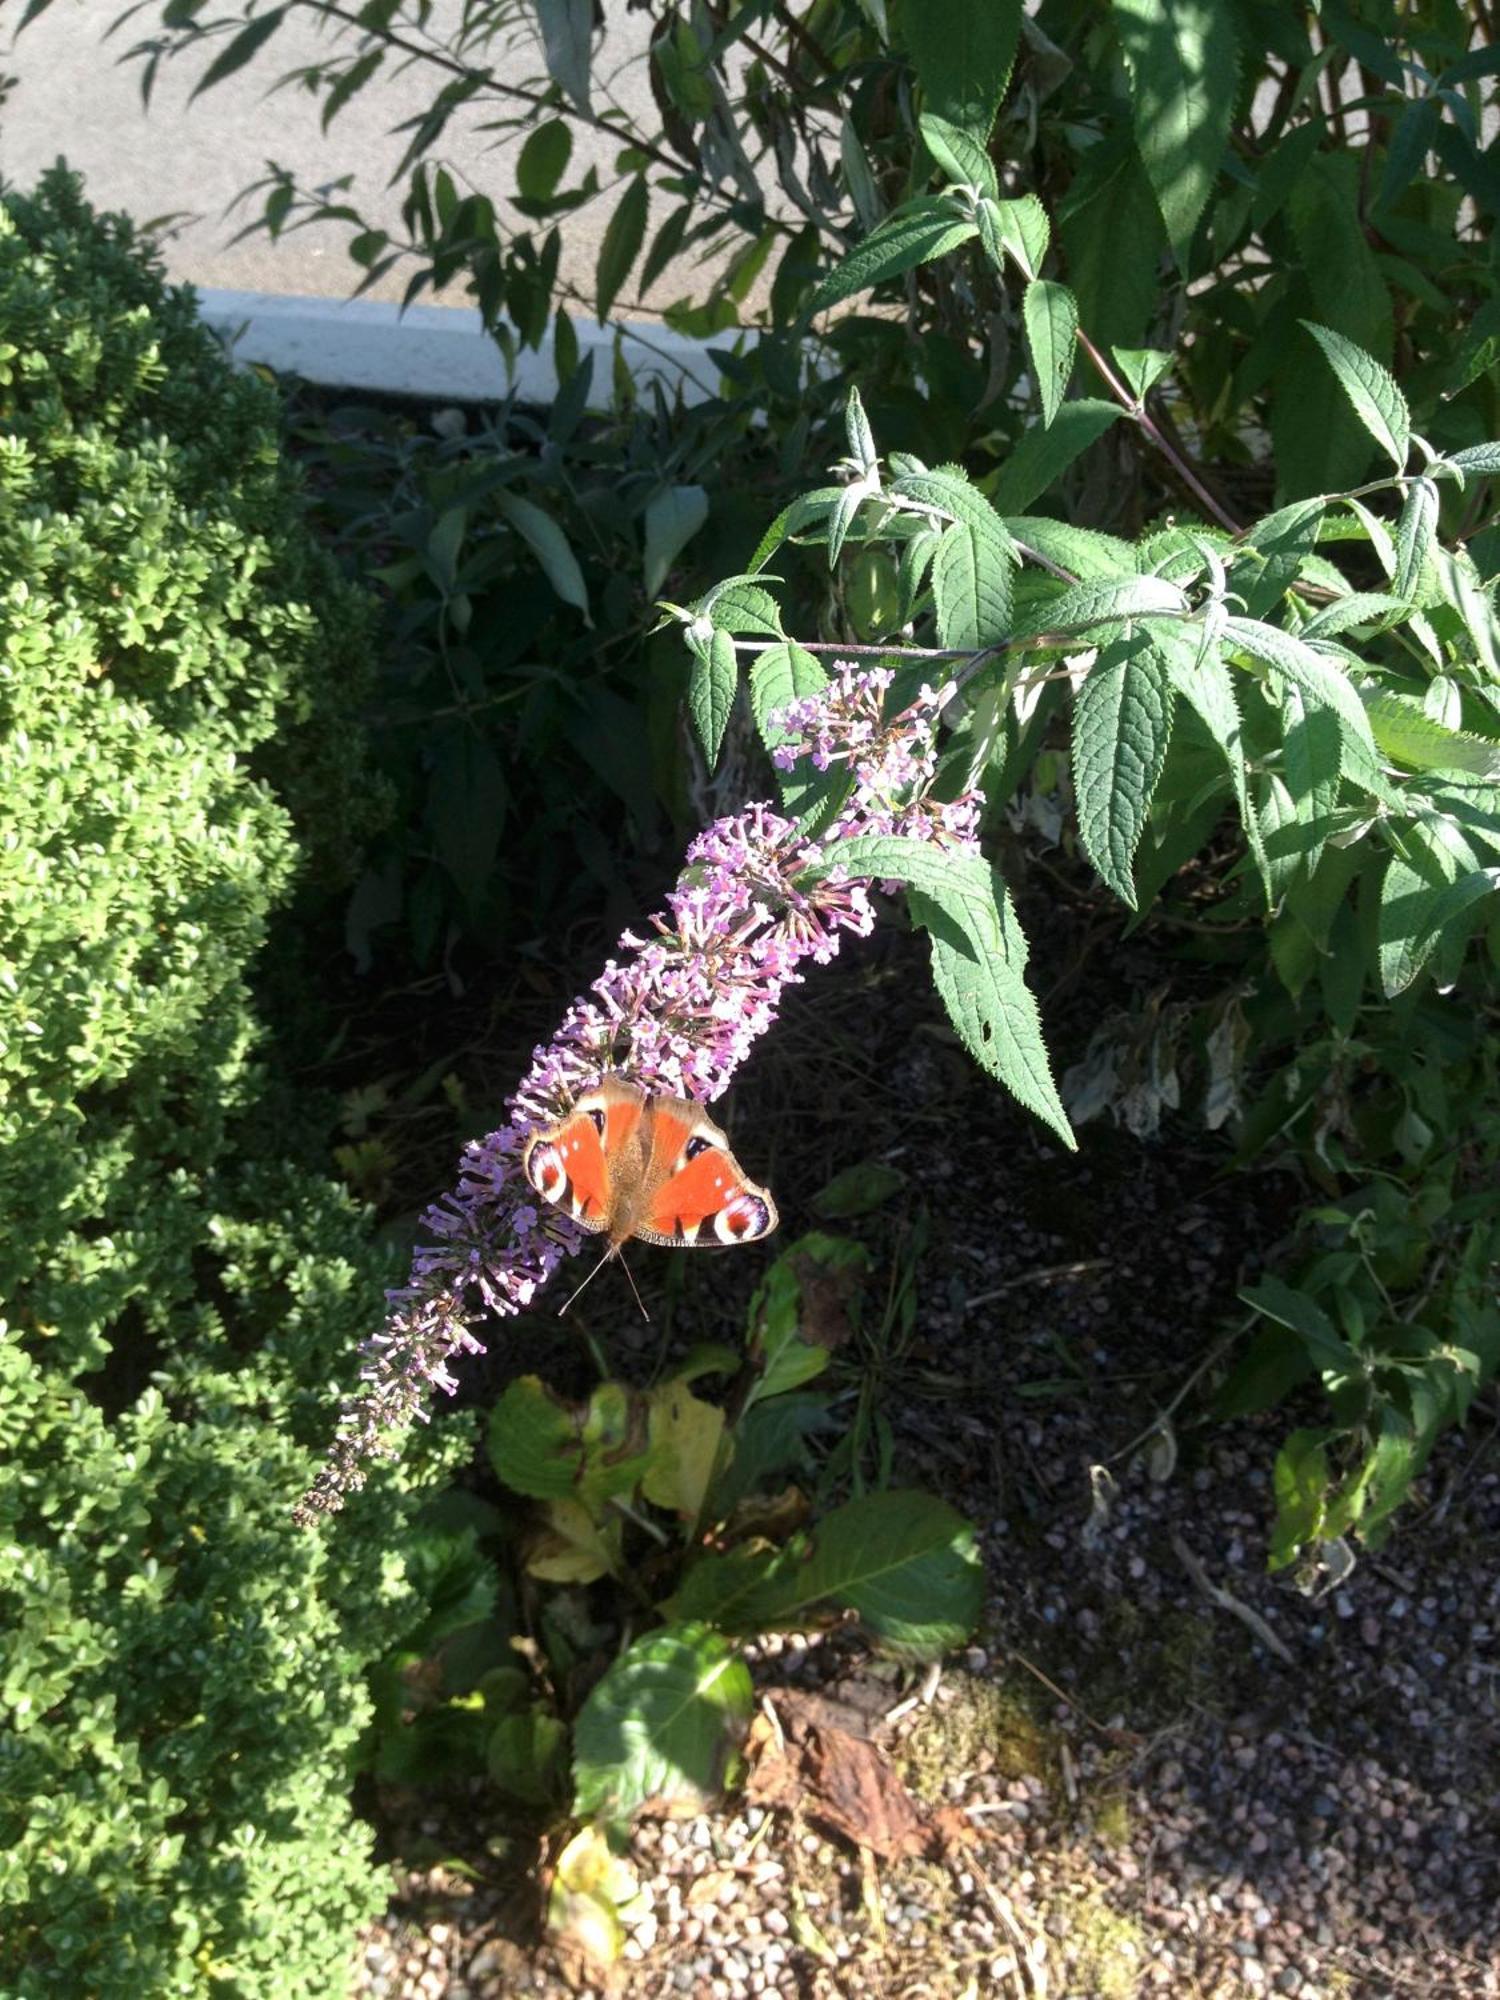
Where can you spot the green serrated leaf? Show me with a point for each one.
(1092, 557)
(1106, 602)
(711, 690)
(1206, 684)
(978, 958)
(780, 675)
(961, 156)
(1183, 62)
(1421, 897)
(1122, 724)
(1320, 680)
(1483, 459)
(1408, 735)
(1373, 392)
(916, 233)
(662, 1726)
(741, 606)
(971, 572)
(1020, 229)
(1049, 315)
(1416, 531)
(963, 56)
(1046, 450)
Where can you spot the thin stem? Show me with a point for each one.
(1152, 429)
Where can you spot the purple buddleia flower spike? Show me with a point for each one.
(679, 1009)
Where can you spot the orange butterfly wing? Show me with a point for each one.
(700, 1196)
(569, 1164)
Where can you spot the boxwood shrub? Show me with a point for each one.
(181, 1670)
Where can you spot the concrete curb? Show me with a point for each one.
(436, 352)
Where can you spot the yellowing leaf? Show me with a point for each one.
(590, 1887)
(574, 1548)
(686, 1437)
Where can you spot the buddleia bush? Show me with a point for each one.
(181, 1681)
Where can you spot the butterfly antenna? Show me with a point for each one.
(638, 1299)
(612, 1251)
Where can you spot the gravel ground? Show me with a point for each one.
(1159, 1769)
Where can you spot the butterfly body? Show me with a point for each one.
(625, 1163)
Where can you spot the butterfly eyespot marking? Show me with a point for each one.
(696, 1145)
(596, 1119)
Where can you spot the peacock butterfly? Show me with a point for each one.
(626, 1163)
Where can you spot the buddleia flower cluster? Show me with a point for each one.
(678, 1009)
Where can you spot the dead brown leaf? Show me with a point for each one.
(801, 1761)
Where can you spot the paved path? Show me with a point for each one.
(75, 97)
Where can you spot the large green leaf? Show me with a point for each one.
(1092, 557)
(548, 544)
(1182, 62)
(1049, 315)
(1046, 450)
(1373, 392)
(1106, 602)
(1312, 759)
(673, 517)
(978, 958)
(962, 157)
(1205, 683)
(1112, 234)
(1320, 680)
(1408, 735)
(962, 54)
(1423, 895)
(711, 689)
(782, 674)
(1018, 229)
(1416, 533)
(1122, 724)
(905, 1563)
(662, 1727)
(971, 571)
(552, 1450)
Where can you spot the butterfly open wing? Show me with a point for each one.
(568, 1164)
(653, 1167)
(700, 1195)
